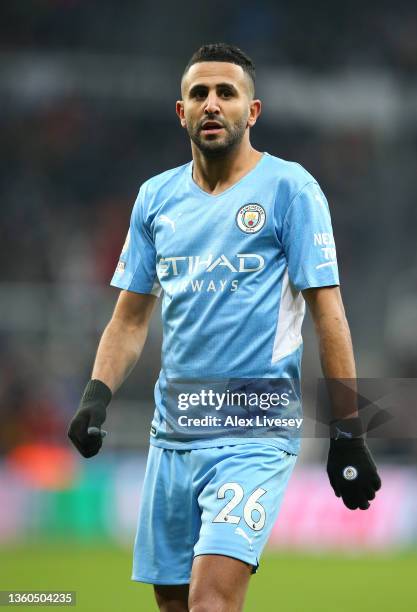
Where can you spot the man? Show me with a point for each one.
(237, 240)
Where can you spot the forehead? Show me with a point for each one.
(212, 73)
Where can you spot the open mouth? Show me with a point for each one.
(211, 127)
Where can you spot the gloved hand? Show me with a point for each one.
(85, 428)
(350, 467)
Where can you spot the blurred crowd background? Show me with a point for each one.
(88, 94)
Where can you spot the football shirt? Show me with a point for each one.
(231, 268)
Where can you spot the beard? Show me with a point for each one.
(218, 147)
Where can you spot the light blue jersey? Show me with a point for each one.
(231, 268)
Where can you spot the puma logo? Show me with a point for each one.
(239, 531)
(166, 219)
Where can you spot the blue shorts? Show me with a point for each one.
(221, 500)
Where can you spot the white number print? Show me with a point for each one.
(224, 516)
(251, 506)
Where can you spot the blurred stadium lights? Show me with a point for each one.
(99, 500)
(371, 98)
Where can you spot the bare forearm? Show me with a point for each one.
(336, 351)
(119, 349)
(338, 364)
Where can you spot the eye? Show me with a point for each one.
(226, 93)
(199, 94)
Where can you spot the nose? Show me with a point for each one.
(212, 104)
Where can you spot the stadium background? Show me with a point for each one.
(87, 96)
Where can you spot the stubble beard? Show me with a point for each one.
(215, 149)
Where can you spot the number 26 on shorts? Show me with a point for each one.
(251, 509)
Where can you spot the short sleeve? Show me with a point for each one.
(307, 239)
(136, 269)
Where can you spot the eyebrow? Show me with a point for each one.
(198, 86)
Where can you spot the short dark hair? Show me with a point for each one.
(222, 52)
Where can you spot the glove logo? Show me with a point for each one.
(350, 473)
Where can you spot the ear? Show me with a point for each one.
(179, 109)
(255, 110)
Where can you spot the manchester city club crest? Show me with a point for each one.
(250, 218)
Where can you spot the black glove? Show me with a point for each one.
(85, 428)
(350, 467)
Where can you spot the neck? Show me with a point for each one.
(216, 175)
